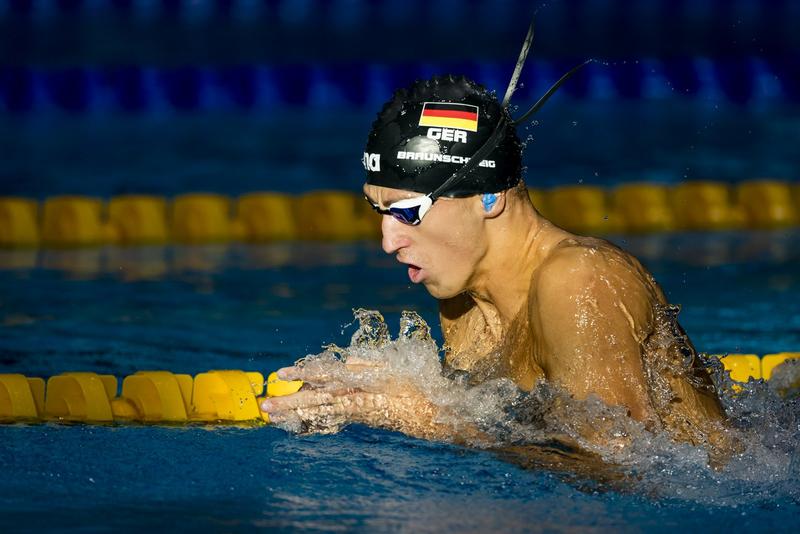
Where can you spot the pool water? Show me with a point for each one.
(298, 150)
(190, 309)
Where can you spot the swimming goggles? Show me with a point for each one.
(408, 211)
(411, 210)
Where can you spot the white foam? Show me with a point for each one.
(764, 418)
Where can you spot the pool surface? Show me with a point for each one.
(191, 309)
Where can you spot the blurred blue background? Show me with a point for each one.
(105, 97)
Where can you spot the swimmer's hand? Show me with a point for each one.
(353, 392)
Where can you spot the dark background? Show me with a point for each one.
(165, 96)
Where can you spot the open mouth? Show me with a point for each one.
(414, 273)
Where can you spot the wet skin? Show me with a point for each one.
(524, 299)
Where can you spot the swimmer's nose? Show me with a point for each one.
(392, 231)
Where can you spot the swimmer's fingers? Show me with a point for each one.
(313, 376)
(355, 363)
(290, 373)
(320, 375)
(302, 399)
(320, 410)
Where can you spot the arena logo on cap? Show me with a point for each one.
(449, 115)
(371, 162)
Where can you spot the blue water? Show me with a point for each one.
(106, 98)
(294, 151)
(261, 307)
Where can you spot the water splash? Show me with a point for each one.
(764, 418)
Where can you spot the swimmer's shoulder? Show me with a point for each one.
(576, 256)
(577, 263)
(582, 257)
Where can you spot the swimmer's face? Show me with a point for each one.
(443, 251)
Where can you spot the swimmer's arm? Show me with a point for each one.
(324, 404)
(590, 316)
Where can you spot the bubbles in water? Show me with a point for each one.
(528, 139)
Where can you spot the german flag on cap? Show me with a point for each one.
(447, 115)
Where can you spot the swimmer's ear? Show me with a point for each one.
(492, 204)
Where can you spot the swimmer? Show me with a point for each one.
(518, 296)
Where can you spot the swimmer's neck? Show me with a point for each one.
(518, 241)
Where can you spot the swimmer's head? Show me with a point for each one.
(427, 132)
(449, 140)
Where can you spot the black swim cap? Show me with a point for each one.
(449, 136)
(426, 132)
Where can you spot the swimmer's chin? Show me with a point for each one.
(440, 293)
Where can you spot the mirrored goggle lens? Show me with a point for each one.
(408, 215)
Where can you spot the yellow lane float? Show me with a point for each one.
(138, 219)
(742, 368)
(328, 216)
(82, 397)
(643, 207)
(578, 208)
(21, 397)
(213, 397)
(340, 215)
(201, 218)
(266, 217)
(770, 361)
(221, 396)
(155, 396)
(705, 205)
(767, 204)
(70, 221)
(19, 222)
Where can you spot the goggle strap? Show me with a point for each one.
(545, 97)
(473, 162)
(523, 56)
(500, 129)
